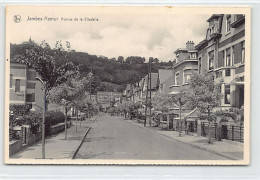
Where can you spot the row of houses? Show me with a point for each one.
(221, 53)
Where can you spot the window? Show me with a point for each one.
(199, 65)
(193, 56)
(17, 85)
(211, 60)
(227, 72)
(243, 52)
(227, 94)
(11, 80)
(30, 97)
(228, 58)
(187, 75)
(177, 79)
(228, 23)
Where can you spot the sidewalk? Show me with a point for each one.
(230, 149)
(56, 147)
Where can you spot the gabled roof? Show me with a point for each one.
(154, 80)
(164, 74)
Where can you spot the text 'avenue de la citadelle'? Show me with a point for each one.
(69, 19)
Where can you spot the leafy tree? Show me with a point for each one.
(68, 94)
(205, 95)
(163, 102)
(120, 59)
(49, 63)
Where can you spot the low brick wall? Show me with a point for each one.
(16, 146)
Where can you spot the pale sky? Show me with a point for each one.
(126, 34)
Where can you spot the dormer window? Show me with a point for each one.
(228, 24)
(193, 55)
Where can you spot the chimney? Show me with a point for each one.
(190, 45)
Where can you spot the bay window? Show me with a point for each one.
(187, 74)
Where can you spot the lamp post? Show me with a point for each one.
(209, 106)
(65, 102)
(43, 116)
(90, 75)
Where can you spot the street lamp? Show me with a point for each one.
(43, 116)
(90, 75)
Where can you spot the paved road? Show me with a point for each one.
(115, 138)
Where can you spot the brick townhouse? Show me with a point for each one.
(185, 63)
(222, 53)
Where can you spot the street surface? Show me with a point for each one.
(113, 137)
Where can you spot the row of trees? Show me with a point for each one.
(65, 84)
(202, 94)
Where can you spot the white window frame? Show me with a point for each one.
(227, 56)
(243, 55)
(228, 31)
(192, 54)
(232, 56)
(209, 60)
(225, 94)
(184, 80)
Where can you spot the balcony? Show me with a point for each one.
(223, 72)
(238, 20)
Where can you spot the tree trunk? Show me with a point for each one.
(76, 120)
(66, 112)
(80, 122)
(180, 123)
(209, 135)
(209, 131)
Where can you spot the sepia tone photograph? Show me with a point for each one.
(127, 85)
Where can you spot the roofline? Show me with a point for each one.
(214, 16)
(180, 49)
(184, 61)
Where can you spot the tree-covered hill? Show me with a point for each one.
(113, 73)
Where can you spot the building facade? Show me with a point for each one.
(222, 53)
(24, 88)
(184, 65)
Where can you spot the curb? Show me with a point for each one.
(202, 148)
(193, 145)
(77, 150)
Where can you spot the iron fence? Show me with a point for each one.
(234, 133)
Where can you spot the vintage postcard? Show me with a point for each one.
(127, 85)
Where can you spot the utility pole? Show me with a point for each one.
(150, 95)
(43, 116)
(146, 97)
(90, 77)
(209, 132)
(180, 123)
